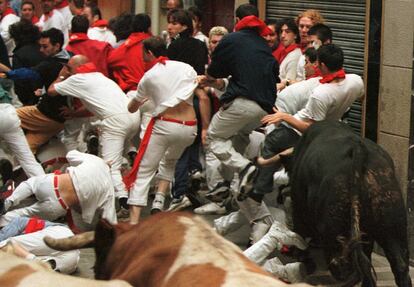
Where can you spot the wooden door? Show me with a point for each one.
(218, 13)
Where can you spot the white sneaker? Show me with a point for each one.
(229, 223)
(291, 272)
(179, 203)
(210, 208)
(285, 236)
(158, 203)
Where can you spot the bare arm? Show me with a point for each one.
(279, 117)
(205, 112)
(63, 75)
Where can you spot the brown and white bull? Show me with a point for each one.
(169, 249)
(18, 272)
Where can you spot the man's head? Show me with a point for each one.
(197, 17)
(306, 20)
(92, 13)
(76, 6)
(27, 10)
(319, 35)
(3, 5)
(121, 26)
(154, 47)
(311, 63)
(141, 23)
(245, 10)
(174, 4)
(80, 24)
(272, 39)
(47, 6)
(288, 32)
(51, 42)
(24, 32)
(75, 62)
(214, 37)
(330, 58)
(178, 21)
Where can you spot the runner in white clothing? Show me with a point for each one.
(85, 187)
(170, 86)
(12, 134)
(105, 99)
(7, 18)
(52, 18)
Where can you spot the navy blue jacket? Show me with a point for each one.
(246, 57)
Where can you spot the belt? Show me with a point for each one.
(186, 123)
(56, 188)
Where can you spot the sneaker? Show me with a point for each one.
(291, 272)
(196, 174)
(158, 203)
(122, 213)
(286, 237)
(7, 189)
(179, 203)
(220, 192)
(92, 144)
(247, 176)
(211, 208)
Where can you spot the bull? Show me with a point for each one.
(168, 249)
(18, 272)
(345, 194)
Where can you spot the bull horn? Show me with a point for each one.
(275, 159)
(83, 240)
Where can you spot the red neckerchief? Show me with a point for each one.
(35, 19)
(63, 4)
(136, 38)
(75, 37)
(278, 52)
(34, 224)
(340, 74)
(160, 59)
(86, 68)
(285, 51)
(100, 23)
(253, 22)
(6, 12)
(316, 74)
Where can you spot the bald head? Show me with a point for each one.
(77, 61)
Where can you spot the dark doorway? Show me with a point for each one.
(217, 13)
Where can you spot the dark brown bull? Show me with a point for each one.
(345, 193)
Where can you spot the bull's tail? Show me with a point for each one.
(360, 261)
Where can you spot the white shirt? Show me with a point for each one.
(288, 67)
(102, 34)
(300, 70)
(100, 95)
(8, 118)
(167, 85)
(5, 23)
(56, 20)
(203, 38)
(330, 101)
(91, 177)
(67, 16)
(293, 98)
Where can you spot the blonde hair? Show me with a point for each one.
(217, 30)
(312, 14)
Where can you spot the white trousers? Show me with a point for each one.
(66, 261)
(47, 206)
(228, 134)
(117, 131)
(13, 135)
(167, 143)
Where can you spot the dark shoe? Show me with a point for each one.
(7, 189)
(92, 144)
(246, 177)
(220, 192)
(180, 203)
